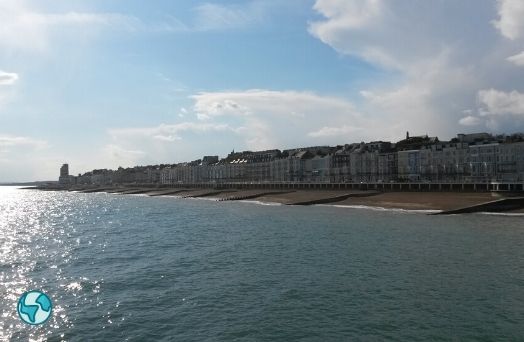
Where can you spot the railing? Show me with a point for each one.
(391, 186)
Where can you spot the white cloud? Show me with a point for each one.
(342, 131)
(166, 143)
(26, 29)
(277, 103)
(253, 119)
(347, 24)
(433, 62)
(9, 142)
(169, 138)
(167, 132)
(211, 16)
(21, 157)
(373, 30)
(215, 17)
(276, 119)
(495, 102)
(116, 155)
(7, 78)
(511, 18)
(78, 18)
(346, 14)
(517, 59)
(470, 121)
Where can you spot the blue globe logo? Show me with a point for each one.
(34, 307)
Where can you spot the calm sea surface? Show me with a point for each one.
(136, 268)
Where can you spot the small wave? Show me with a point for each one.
(261, 203)
(212, 199)
(501, 214)
(81, 285)
(74, 286)
(367, 207)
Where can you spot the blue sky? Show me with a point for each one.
(101, 84)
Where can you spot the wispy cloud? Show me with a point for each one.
(10, 142)
(246, 119)
(342, 131)
(120, 155)
(470, 121)
(25, 29)
(166, 132)
(24, 158)
(8, 78)
(497, 110)
(497, 102)
(275, 119)
(517, 59)
(165, 142)
(212, 16)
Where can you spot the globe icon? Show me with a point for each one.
(34, 307)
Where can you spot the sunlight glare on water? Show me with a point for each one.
(37, 237)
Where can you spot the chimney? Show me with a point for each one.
(407, 135)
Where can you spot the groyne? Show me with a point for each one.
(253, 195)
(501, 205)
(334, 199)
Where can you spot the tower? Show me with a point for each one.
(64, 170)
(64, 174)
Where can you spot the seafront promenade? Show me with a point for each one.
(379, 186)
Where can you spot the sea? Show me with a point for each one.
(139, 268)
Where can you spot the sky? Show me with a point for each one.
(102, 84)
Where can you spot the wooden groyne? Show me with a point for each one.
(167, 192)
(136, 191)
(120, 190)
(207, 193)
(255, 195)
(88, 191)
(502, 205)
(337, 198)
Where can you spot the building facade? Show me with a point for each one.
(468, 158)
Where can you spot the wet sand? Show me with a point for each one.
(302, 196)
(392, 200)
(422, 200)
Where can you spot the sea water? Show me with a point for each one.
(136, 268)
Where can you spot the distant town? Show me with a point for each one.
(468, 158)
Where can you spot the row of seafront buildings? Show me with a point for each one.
(468, 158)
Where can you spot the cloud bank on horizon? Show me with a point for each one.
(101, 86)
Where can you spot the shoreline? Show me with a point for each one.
(428, 202)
